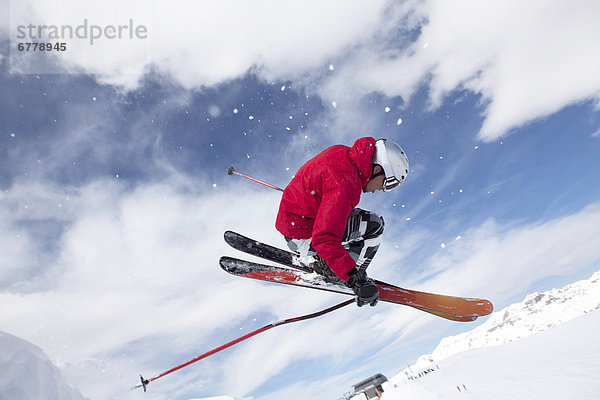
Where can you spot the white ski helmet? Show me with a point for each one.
(394, 162)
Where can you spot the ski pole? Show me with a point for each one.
(145, 382)
(232, 171)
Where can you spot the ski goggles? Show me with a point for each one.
(390, 183)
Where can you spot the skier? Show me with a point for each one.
(317, 213)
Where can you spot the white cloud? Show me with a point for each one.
(17, 247)
(497, 260)
(206, 43)
(130, 267)
(527, 60)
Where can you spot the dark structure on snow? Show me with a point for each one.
(371, 387)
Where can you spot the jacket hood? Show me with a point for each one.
(361, 154)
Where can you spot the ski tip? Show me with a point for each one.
(491, 307)
(232, 265)
(224, 263)
(486, 307)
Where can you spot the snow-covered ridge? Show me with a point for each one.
(28, 374)
(536, 313)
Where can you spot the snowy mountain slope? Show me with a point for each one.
(545, 347)
(559, 363)
(536, 313)
(28, 374)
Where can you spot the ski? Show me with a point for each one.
(263, 250)
(454, 308)
(289, 259)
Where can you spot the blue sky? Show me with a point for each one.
(115, 194)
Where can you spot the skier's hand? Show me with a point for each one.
(364, 288)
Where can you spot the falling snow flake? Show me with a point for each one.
(214, 111)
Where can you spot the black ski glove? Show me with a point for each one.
(364, 288)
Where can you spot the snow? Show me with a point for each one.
(214, 111)
(536, 313)
(545, 347)
(28, 374)
(558, 363)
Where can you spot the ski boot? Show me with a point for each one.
(320, 267)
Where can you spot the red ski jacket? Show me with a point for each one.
(317, 202)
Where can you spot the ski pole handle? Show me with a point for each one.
(232, 171)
